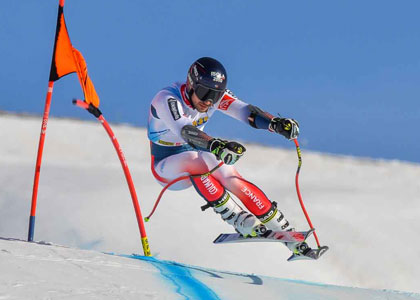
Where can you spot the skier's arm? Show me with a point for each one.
(256, 117)
(170, 111)
(242, 111)
(196, 138)
(289, 128)
(228, 152)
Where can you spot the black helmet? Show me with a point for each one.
(207, 78)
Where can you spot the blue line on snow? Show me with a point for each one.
(180, 276)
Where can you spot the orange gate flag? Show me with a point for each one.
(67, 59)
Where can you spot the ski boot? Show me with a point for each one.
(275, 220)
(298, 249)
(244, 222)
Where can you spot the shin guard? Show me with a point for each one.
(218, 198)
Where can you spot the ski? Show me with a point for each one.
(269, 236)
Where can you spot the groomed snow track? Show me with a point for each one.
(45, 271)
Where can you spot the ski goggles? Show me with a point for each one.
(207, 94)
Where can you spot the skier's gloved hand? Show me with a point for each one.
(289, 128)
(228, 152)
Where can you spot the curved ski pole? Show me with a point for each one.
(147, 219)
(299, 154)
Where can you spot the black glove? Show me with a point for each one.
(289, 128)
(228, 152)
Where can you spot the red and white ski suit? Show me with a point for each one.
(172, 157)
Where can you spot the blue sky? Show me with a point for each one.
(348, 71)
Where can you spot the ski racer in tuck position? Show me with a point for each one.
(179, 146)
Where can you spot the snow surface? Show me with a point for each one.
(366, 210)
(41, 271)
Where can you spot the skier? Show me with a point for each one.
(179, 146)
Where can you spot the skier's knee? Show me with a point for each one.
(209, 188)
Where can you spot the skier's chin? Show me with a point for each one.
(201, 108)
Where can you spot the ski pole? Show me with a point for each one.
(299, 154)
(147, 219)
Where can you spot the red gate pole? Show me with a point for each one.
(44, 124)
(97, 113)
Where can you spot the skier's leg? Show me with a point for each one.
(218, 198)
(174, 166)
(250, 195)
(257, 202)
(192, 163)
(265, 210)
(254, 200)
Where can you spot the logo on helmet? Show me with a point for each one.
(218, 77)
(195, 70)
(190, 80)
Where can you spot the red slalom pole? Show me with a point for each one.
(31, 229)
(298, 191)
(97, 113)
(44, 124)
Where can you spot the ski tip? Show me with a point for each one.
(219, 238)
(322, 250)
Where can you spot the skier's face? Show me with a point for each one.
(201, 106)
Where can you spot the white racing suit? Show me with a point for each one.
(172, 157)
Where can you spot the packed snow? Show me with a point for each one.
(44, 271)
(365, 210)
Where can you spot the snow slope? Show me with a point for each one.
(366, 210)
(41, 271)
